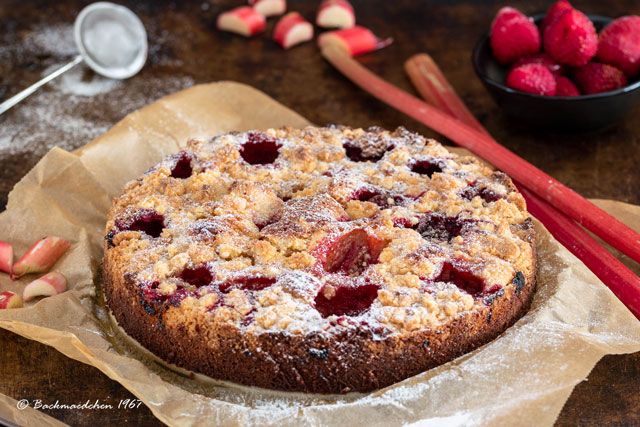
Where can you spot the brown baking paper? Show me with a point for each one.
(523, 376)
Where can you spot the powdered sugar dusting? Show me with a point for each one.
(72, 83)
(76, 107)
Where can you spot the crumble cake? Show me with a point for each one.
(325, 260)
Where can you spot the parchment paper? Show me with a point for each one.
(524, 376)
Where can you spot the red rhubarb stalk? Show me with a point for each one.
(434, 88)
(622, 281)
(613, 273)
(563, 198)
(6, 257)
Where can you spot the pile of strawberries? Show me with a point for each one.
(565, 56)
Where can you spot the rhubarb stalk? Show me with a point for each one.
(563, 198)
(613, 273)
(434, 88)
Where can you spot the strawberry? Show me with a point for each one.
(541, 58)
(565, 87)
(619, 44)
(532, 78)
(571, 39)
(595, 78)
(513, 35)
(553, 13)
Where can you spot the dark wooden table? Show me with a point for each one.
(185, 48)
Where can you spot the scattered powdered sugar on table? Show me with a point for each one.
(76, 107)
(71, 83)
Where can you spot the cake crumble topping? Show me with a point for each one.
(318, 229)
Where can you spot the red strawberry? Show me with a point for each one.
(532, 78)
(541, 58)
(513, 35)
(565, 87)
(571, 39)
(619, 44)
(553, 13)
(595, 78)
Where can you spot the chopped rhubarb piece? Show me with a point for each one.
(463, 279)
(244, 20)
(442, 227)
(247, 283)
(352, 253)
(6, 257)
(10, 299)
(145, 220)
(346, 300)
(291, 30)
(354, 41)
(335, 14)
(198, 276)
(53, 283)
(40, 257)
(182, 168)
(269, 8)
(260, 149)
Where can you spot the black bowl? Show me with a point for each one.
(559, 113)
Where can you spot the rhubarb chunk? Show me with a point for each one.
(269, 8)
(40, 257)
(291, 30)
(346, 300)
(352, 253)
(145, 220)
(10, 299)
(198, 277)
(383, 198)
(426, 167)
(242, 20)
(53, 283)
(354, 41)
(260, 149)
(6, 257)
(442, 227)
(182, 168)
(335, 14)
(463, 279)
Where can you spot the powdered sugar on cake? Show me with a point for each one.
(320, 229)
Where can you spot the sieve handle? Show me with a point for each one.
(28, 91)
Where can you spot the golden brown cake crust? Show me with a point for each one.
(322, 260)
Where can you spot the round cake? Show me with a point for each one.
(324, 260)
